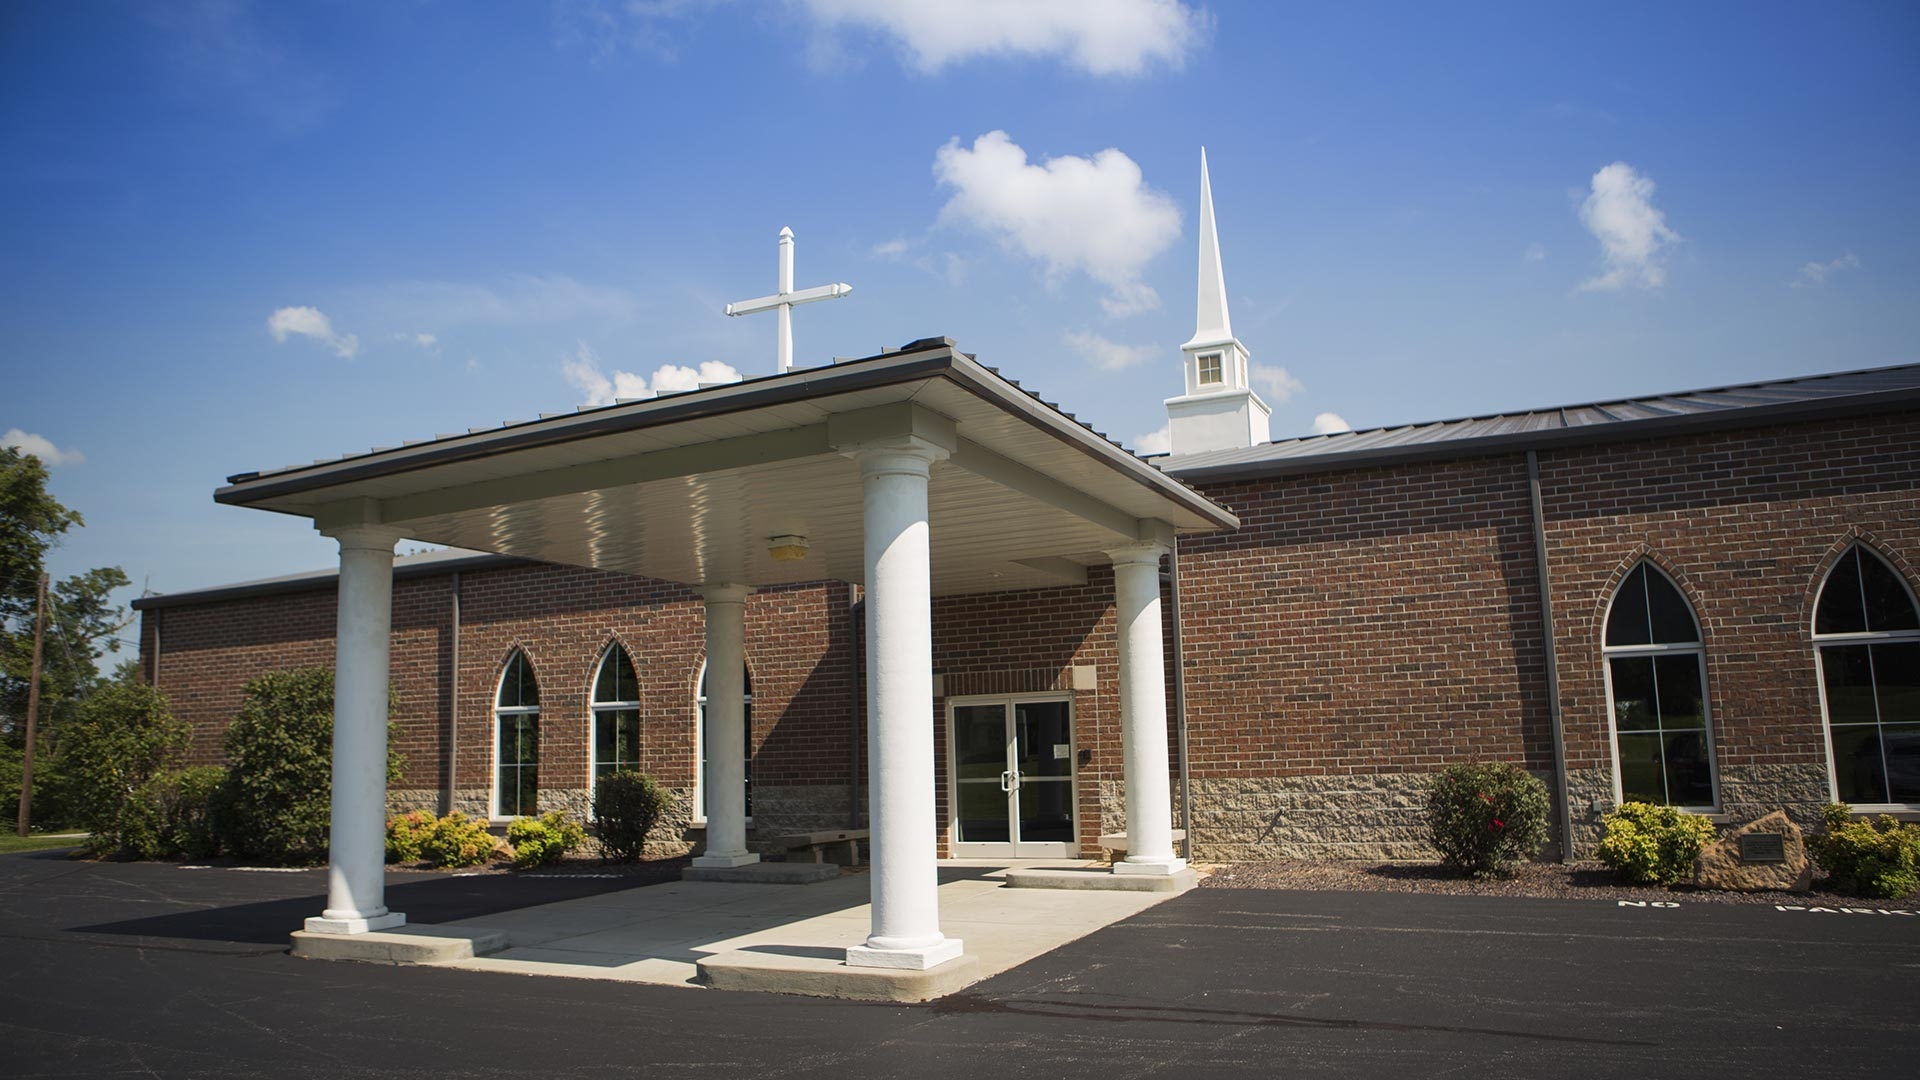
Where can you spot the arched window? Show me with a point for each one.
(746, 725)
(1866, 632)
(616, 715)
(516, 786)
(1657, 694)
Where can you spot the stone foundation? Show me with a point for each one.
(1750, 792)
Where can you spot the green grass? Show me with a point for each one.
(10, 843)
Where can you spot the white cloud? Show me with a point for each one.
(583, 371)
(891, 249)
(1099, 37)
(1816, 274)
(1095, 215)
(311, 323)
(1109, 355)
(426, 342)
(1633, 235)
(1330, 423)
(1535, 252)
(1278, 382)
(41, 447)
(1157, 441)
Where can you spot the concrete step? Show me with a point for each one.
(821, 972)
(414, 945)
(764, 873)
(1102, 880)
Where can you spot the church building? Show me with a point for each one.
(901, 587)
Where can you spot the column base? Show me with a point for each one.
(1159, 866)
(741, 859)
(321, 924)
(920, 959)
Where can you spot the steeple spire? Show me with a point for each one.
(1210, 323)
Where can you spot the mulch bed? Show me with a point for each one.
(651, 871)
(1577, 881)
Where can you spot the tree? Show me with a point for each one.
(82, 623)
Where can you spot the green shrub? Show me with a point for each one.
(542, 840)
(275, 805)
(1483, 817)
(457, 840)
(1653, 845)
(626, 806)
(185, 802)
(407, 834)
(123, 738)
(1868, 858)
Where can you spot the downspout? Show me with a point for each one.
(856, 732)
(453, 702)
(1180, 706)
(1553, 659)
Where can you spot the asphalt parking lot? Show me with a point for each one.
(153, 970)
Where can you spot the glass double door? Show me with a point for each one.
(1012, 778)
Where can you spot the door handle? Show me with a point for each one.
(1008, 779)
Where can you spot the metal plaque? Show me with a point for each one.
(1763, 847)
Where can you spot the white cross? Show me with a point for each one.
(784, 300)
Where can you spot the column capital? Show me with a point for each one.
(1143, 551)
(908, 454)
(718, 592)
(365, 537)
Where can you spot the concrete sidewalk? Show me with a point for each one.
(794, 936)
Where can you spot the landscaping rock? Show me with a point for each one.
(1720, 866)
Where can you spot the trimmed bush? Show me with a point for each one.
(1868, 858)
(123, 739)
(1653, 845)
(626, 806)
(542, 840)
(407, 834)
(457, 840)
(275, 805)
(1483, 817)
(185, 801)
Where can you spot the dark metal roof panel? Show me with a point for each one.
(1784, 400)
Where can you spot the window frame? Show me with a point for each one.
(596, 707)
(1219, 360)
(699, 809)
(1821, 642)
(500, 712)
(1697, 649)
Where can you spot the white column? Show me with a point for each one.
(1143, 712)
(356, 849)
(905, 931)
(784, 342)
(725, 781)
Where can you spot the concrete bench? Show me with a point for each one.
(1113, 846)
(840, 846)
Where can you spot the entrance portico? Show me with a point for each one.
(916, 474)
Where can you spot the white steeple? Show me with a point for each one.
(1219, 411)
(1211, 323)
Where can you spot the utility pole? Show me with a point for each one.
(33, 705)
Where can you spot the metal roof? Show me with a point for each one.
(1808, 397)
(421, 564)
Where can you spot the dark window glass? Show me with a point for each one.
(1634, 708)
(1671, 617)
(519, 763)
(1677, 680)
(1627, 622)
(1857, 767)
(1896, 682)
(1848, 671)
(1888, 606)
(617, 681)
(616, 740)
(1689, 769)
(1901, 743)
(517, 686)
(1840, 611)
(1640, 772)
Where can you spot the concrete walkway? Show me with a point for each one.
(659, 934)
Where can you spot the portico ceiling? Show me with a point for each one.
(690, 487)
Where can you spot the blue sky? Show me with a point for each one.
(228, 226)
